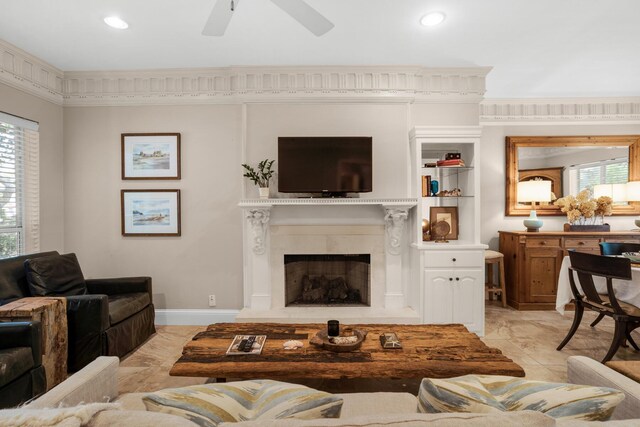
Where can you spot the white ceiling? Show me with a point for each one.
(538, 48)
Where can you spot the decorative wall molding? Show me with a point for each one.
(625, 110)
(276, 84)
(259, 224)
(394, 220)
(25, 72)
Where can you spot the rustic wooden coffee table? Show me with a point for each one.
(434, 351)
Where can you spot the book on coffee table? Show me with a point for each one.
(246, 344)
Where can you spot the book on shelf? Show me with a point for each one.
(426, 185)
(450, 163)
(246, 344)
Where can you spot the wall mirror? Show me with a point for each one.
(572, 163)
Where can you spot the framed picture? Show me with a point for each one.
(150, 212)
(150, 156)
(448, 214)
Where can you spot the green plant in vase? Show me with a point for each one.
(260, 177)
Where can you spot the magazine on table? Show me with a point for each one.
(246, 344)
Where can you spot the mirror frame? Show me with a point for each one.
(511, 151)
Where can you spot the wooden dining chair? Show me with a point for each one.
(618, 248)
(626, 316)
(615, 248)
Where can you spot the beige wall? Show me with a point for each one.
(493, 176)
(49, 116)
(207, 258)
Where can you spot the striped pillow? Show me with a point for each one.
(211, 404)
(488, 393)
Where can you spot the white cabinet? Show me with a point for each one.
(452, 273)
(454, 295)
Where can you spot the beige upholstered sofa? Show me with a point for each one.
(97, 382)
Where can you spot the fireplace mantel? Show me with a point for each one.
(301, 230)
(264, 203)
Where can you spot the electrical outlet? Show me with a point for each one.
(212, 300)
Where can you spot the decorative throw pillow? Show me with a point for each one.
(211, 404)
(488, 393)
(55, 275)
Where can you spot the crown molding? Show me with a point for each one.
(545, 111)
(246, 84)
(27, 73)
(275, 84)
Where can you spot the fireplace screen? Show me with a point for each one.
(327, 279)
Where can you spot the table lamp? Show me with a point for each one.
(633, 194)
(533, 192)
(617, 192)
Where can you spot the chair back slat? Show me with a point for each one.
(588, 287)
(618, 248)
(598, 265)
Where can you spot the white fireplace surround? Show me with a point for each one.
(275, 227)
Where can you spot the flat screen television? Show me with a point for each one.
(330, 165)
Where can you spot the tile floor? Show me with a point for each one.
(527, 337)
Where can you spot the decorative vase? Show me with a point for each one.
(264, 192)
(434, 187)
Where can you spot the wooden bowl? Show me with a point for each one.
(321, 340)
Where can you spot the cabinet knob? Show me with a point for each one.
(454, 260)
(581, 243)
(543, 243)
(451, 279)
(457, 278)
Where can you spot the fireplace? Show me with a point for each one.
(336, 279)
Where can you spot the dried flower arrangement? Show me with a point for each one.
(584, 210)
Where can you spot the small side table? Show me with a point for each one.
(52, 314)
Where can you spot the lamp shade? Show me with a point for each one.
(534, 191)
(633, 191)
(617, 192)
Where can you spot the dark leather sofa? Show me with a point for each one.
(109, 317)
(22, 375)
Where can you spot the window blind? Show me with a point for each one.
(19, 186)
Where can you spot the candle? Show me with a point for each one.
(333, 328)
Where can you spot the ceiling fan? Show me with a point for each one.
(310, 18)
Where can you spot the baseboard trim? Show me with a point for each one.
(194, 316)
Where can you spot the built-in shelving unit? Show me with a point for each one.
(452, 273)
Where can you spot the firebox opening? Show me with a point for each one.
(343, 280)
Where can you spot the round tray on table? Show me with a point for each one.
(322, 340)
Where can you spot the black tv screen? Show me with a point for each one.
(325, 164)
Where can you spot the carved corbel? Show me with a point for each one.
(394, 220)
(259, 223)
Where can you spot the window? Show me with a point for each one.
(19, 194)
(614, 171)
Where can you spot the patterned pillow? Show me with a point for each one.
(211, 404)
(488, 393)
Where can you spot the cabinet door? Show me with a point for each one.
(468, 298)
(438, 296)
(542, 267)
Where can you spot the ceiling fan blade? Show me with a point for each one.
(306, 15)
(219, 19)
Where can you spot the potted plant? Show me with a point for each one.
(260, 177)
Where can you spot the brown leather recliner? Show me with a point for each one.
(105, 316)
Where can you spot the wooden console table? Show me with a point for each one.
(532, 262)
(52, 314)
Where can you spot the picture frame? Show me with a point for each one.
(150, 156)
(448, 214)
(150, 212)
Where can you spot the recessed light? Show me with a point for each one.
(433, 18)
(116, 22)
